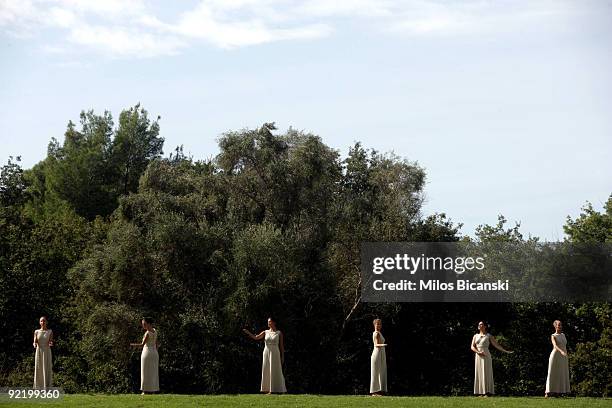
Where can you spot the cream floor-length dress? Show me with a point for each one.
(483, 366)
(272, 379)
(558, 368)
(43, 366)
(149, 364)
(378, 366)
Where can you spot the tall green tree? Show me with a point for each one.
(135, 145)
(96, 164)
(591, 225)
(592, 360)
(78, 171)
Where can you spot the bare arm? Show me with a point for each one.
(556, 346)
(50, 338)
(144, 341)
(35, 343)
(254, 337)
(474, 348)
(497, 345)
(377, 342)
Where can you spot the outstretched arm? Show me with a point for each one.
(255, 337)
(498, 346)
(556, 346)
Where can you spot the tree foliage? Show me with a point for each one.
(593, 358)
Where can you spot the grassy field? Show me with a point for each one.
(173, 400)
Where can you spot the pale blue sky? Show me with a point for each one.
(506, 104)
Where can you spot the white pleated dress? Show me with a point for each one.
(378, 366)
(43, 366)
(483, 366)
(272, 379)
(558, 368)
(149, 364)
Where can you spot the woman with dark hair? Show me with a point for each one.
(378, 362)
(43, 366)
(272, 379)
(557, 381)
(483, 367)
(149, 359)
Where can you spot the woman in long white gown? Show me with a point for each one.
(272, 379)
(483, 367)
(43, 365)
(378, 362)
(149, 358)
(557, 381)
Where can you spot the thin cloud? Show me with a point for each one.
(129, 29)
(102, 26)
(123, 42)
(60, 17)
(125, 29)
(108, 8)
(353, 8)
(18, 18)
(205, 23)
(468, 17)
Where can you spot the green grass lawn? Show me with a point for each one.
(174, 400)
